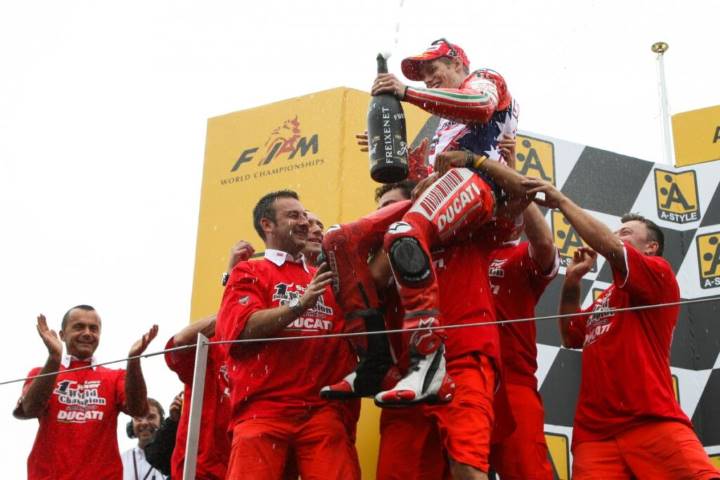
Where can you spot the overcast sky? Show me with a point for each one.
(103, 109)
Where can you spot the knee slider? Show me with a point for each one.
(409, 261)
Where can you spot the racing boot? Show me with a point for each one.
(426, 380)
(375, 370)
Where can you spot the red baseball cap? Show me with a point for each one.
(437, 49)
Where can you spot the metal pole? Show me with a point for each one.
(196, 401)
(660, 48)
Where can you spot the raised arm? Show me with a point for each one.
(136, 404)
(474, 102)
(188, 335)
(582, 262)
(597, 235)
(35, 399)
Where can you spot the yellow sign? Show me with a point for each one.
(535, 158)
(677, 196)
(708, 251)
(696, 135)
(715, 460)
(304, 144)
(676, 387)
(559, 454)
(596, 292)
(566, 239)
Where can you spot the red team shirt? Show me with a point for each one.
(517, 284)
(271, 379)
(458, 267)
(214, 441)
(77, 437)
(626, 355)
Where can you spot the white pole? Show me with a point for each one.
(660, 48)
(196, 401)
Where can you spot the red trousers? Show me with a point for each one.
(417, 442)
(322, 445)
(659, 450)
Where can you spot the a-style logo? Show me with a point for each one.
(535, 158)
(286, 149)
(708, 251)
(566, 239)
(677, 196)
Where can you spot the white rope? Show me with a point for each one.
(379, 332)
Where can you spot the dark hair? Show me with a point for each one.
(654, 232)
(406, 186)
(130, 430)
(154, 403)
(66, 317)
(265, 208)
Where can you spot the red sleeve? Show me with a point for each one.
(480, 95)
(539, 280)
(181, 362)
(18, 411)
(649, 279)
(244, 295)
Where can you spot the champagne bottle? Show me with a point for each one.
(387, 141)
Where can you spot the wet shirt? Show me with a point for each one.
(517, 283)
(280, 378)
(626, 355)
(214, 441)
(77, 436)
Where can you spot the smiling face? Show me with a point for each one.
(145, 427)
(315, 237)
(442, 73)
(289, 230)
(81, 333)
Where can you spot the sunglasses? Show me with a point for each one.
(451, 50)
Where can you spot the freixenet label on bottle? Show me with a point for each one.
(387, 136)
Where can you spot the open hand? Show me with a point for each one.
(49, 337)
(139, 346)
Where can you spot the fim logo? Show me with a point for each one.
(708, 250)
(559, 455)
(566, 239)
(283, 140)
(677, 196)
(535, 158)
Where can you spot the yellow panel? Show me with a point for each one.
(559, 454)
(708, 249)
(676, 388)
(535, 158)
(305, 144)
(566, 239)
(715, 460)
(696, 135)
(676, 196)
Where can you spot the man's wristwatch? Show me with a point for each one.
(295, 307)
